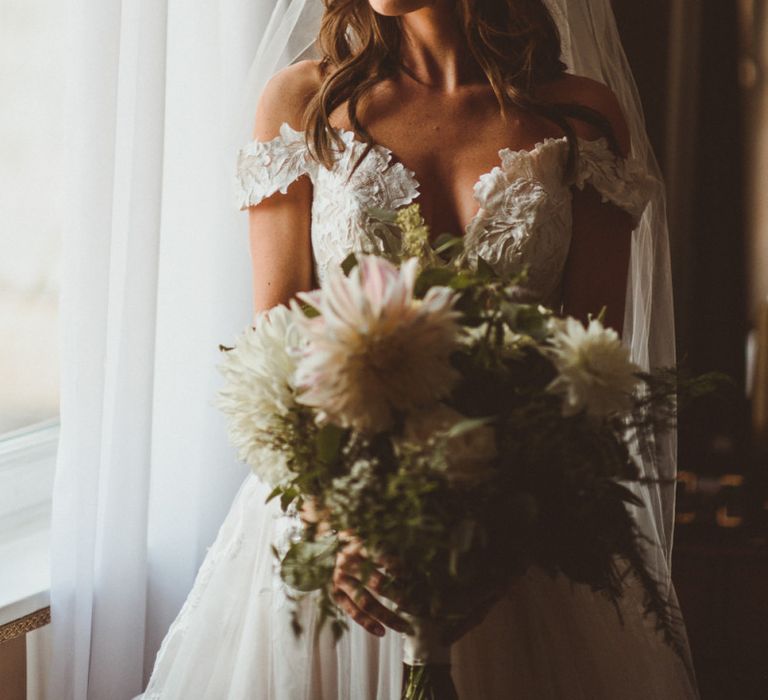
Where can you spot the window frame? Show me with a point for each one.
(27, 467)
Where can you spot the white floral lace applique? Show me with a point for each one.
(524, 214)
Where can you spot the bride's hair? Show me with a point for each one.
(515, 42)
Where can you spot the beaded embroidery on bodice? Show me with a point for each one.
(524, 204)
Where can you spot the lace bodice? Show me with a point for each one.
(524, 204)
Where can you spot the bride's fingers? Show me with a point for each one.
(368, 605)
(349, 607)
(373, 579)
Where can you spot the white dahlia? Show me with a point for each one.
(259, 390)
(374, 349)
(594, 370)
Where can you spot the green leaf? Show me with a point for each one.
(484, 269)
(432, 277)
(274, 493)
(308, 566)
(308, 310)
(466, 425)
(387, 216)
(287, 498)
(349, 263)
(462, 535)
(328, 443)
(531, 321)
(601, 316)
(445, 241)
(464, 280)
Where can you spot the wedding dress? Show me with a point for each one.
(547, 639)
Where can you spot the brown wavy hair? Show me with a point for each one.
(516, 43)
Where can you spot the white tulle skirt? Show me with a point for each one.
(548, 640)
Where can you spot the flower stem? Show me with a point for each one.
(429, 682)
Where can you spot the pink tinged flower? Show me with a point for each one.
(374, 349)
(595, 373)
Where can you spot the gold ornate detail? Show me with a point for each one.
(25, 624)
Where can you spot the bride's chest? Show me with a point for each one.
(517, 213)
(523, 204)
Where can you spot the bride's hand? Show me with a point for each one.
(354, 584)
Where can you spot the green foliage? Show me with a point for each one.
(349, 263)
(308, 565)
(328, 442)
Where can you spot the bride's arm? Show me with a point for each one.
(279, 227)
(598, 261)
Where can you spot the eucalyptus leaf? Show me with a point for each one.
(308, 566)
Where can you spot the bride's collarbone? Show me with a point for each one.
(440, 132)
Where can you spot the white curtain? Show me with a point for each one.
(155, 275)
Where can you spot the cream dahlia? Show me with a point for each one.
(259, 391)
(595, 373)
(374, 349)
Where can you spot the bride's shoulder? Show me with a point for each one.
(285, 98)
(586, 92)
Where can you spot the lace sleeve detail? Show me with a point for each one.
(267, 167)
(623, 182)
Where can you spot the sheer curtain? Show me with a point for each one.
(155, 275)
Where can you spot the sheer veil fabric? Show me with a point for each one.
(591, 47)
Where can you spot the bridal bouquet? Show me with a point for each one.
(461, 434)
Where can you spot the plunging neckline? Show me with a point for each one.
(502, 154)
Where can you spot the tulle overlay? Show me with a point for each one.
(546, 640)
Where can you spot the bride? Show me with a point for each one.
(465, 107)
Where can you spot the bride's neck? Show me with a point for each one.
(434, 49)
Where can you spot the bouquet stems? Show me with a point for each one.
(430, 682)
(426, 663)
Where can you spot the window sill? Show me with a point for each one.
(25, 583)
(27, 463)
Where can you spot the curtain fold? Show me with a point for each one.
(155, 274)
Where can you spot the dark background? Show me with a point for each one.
(685, 55)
